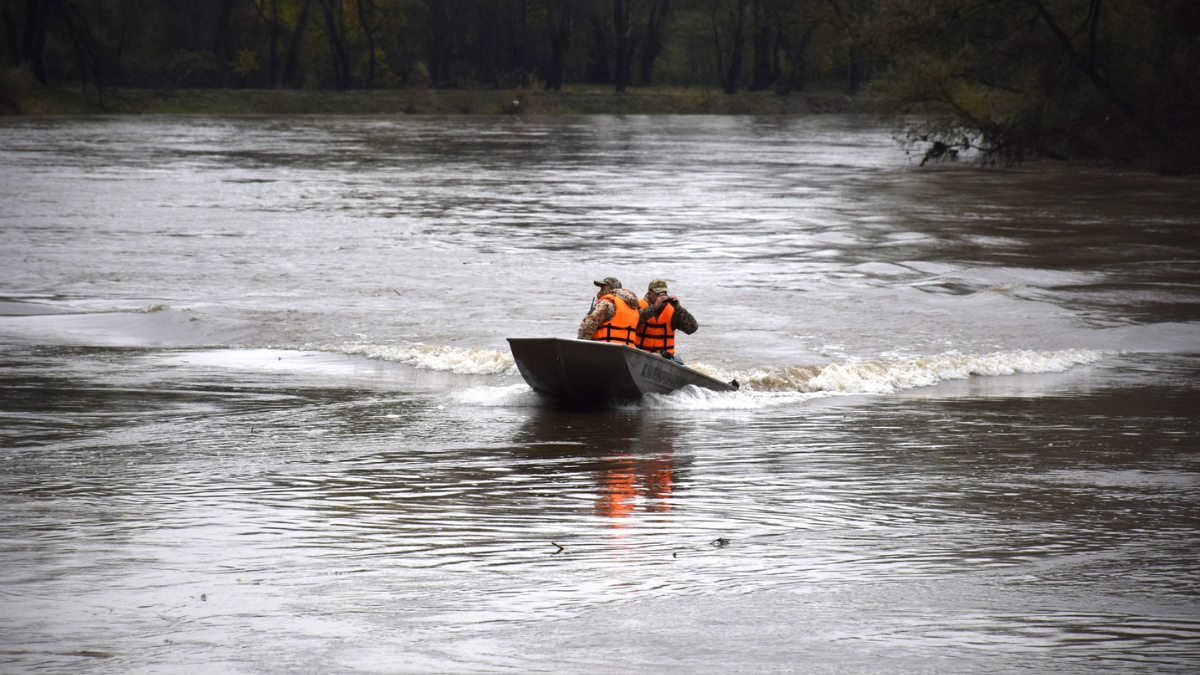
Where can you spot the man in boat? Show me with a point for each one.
(659, 318)
(614, 316)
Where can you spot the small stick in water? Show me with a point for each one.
(560, 549)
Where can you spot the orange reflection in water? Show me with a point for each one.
(630, 481)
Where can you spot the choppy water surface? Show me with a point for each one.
(258, 415)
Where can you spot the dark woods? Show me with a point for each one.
(367, 44)
(996, 79)
(1066, 79)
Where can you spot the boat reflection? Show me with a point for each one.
(636, 480)
(628, 457)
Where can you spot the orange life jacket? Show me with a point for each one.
(657, 335)
(622, 327)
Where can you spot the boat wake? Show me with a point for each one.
(477, 361)
(511, 396)
(888, 376)
(782, 385)
(760, 386)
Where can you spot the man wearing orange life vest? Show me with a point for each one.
(614, 316)
(659, 317)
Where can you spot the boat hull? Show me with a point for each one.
(590, 373)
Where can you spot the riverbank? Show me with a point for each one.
(576, 101)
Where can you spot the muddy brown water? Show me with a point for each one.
(257, 412)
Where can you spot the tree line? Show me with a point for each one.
(366, 44)
(1004, 78)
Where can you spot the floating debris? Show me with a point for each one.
(560, 548)
(720, 542)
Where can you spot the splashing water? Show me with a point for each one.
(476, 361)
(761, 387)
(869, 376)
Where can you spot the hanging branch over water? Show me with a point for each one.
(1066, 79)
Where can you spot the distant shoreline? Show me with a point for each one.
(673, 101)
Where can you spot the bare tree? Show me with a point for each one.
(623, 29)
(652, 47)
(739, 45)
(560, 45)
(761, 33)
(291, 64)
(365, 8)
(337, 43)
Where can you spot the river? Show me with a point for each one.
(258, 414)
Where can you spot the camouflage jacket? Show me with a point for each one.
(603, 311)
(682, 321)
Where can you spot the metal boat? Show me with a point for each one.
(590, 373)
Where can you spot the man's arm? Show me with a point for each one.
(683, 321)
(604, 311)
(652, 310)
(648, 312)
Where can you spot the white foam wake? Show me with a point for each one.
(886, 376)
(512, 396)
(783, 385)
(763, 386)
(477, 361)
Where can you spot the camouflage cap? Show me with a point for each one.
(658, 286)
(609, 281)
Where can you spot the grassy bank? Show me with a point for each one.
(577, 101)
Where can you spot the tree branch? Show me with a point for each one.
(1093, 26)
(1088, 69)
